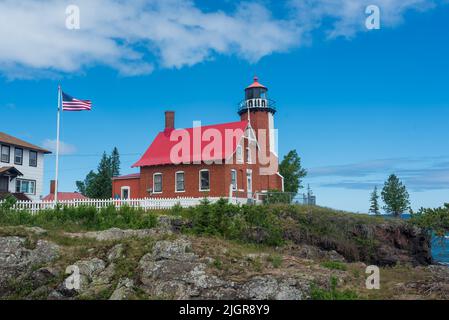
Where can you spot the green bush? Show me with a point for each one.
(276, 260)
(245, 223)
(331, 293)
(433, 220)
(82, 218)
(7, 204)
(276, 196)
(334, 265)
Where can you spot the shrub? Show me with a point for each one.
(332, 293)
(334, 265)
(245, 223)
(276, 260)
(433, 220)
(7, 204)
(82, 218)
(276, 196)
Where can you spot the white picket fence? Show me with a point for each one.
(146, 203)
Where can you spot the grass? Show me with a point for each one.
(334, 265)
(332, 293)
(275, 260)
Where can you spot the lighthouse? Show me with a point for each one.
(259, 111)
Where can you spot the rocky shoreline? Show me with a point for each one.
(162, 263)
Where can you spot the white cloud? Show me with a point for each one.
(64, 148)
(135, 37)
(347, 17)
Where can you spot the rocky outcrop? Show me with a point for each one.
(384, 243)
(124, 290)
(118, 234)
(161, 263)
(18, 256)
(172, 270)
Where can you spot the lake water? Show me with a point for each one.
(440, 247)
(440, 250)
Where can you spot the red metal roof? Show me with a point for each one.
(256, 84)
(65, 196)
(159, 151)
(128, 176)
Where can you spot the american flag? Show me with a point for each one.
(72, 104)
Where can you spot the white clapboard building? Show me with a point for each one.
(21, 168)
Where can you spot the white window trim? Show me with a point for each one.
(199, 180)
(249, 158)
(162, 182)
(29, 181)
(125, 188)
(234, 188)
(241, 158)
(176, 182)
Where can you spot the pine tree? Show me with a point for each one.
(374, 202)
(290, 168)
(395, 196)
(98, 185)
(115, 163)
(103, 180)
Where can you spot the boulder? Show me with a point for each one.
(124, 290)
(16, 259)
(119, 234)
(117, 252)
(269, 288)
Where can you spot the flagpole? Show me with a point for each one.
(57, 145)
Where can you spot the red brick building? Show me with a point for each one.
(237, 159)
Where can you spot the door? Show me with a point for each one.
(249, 183)
(4, 184)
(125, 193)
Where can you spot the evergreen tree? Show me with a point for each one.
(115, 163)
(98, 185)
(103, 180)
(374, 202)
(84, 187)
(290, 168)
(395, 196)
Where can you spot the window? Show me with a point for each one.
(25, 186)
(239, 154)
(248, 155)
(125, 193)
(204, 180)
(157, 183)
(5, 154)
(33, 158)
(234, 179)
(180, 186)
(18, 156)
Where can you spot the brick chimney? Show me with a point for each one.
(52, 186)
(169, 120)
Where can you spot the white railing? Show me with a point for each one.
(146, 203)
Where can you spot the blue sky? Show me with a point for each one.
(356, 104)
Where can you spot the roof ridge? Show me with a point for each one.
(209, 125)
(9, 139)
